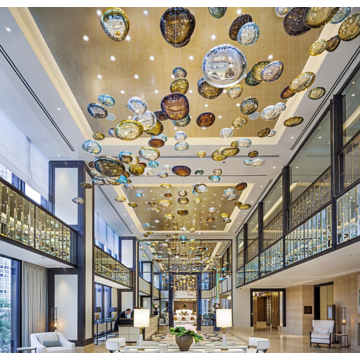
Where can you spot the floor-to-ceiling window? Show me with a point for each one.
(9, 305)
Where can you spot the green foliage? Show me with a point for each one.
(180, 331)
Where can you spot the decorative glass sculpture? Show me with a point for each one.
(136, 170)
(245, 207)
(316, 17)
(179, 73)
(333, 43)
(226, 133)
(148, 171)
(139, 194)
(164, 203)
(234, 92)
(165, 186)
(233, 197)
(201, 154)
(272, 112)
(182, 212)
(253, 154)
(85, 185)
(166, 167)
(168, 195)
(228, 151)
(197, 201)
(224, 66)
(181, 146)
(106, 100)
(175, 106)
(258, 162)
(199, 172)
(293, 121)
(181, 170)
(205, 120)
(132, 204)
(248, 162)
(98, 136)
(157, 129)
(248, 34)
(149, 153)
(91, 147)
(169, 216)
(250, 81)
(216, 156)
(115, 23)
(272, 133)
(217, 172)
(160, 116)
(183, 122)
(180, 136)
(210, 219)
(212, 210)
(111, 132)
(294, 22)
(350, 28)
(241, 186)
(249, 105)
(179, 85)
(109, 166)
(183, 200)
(176, 26)
(239, 122)
(287, 93)
(217, 12)
(214, 178)
(226, 220)
(129, 130)
(258, 68)
(237, 24)
(147, 119)
(317, 47)
(282, 11)
(154, 210)
(302, 82)
(78, 200)
(122, 179)
(208, 91)
(137, 105)
(120, 199)
(272, 71)
(129, 187)
(316, 93)
(341, 15)
(97, 111)
(263, 132)
(156, 142)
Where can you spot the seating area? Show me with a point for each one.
(51, 342)
(323, 332)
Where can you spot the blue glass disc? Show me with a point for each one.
(91, 147)
(106, 100)
(248, 34)
(153, 164)
(215, 178)
(122, 179)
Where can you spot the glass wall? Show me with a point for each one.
(9, 305)
(240, 251)
(271, 259)
(105, 237)
(252, 270)
(252, 239)
(240, 279)
(102, 300)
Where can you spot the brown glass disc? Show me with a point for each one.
(294, 22)
(151, 203)
(293, 121)
(258, 68)
(183, 212)
(157, 129)
(287, 93)
(238, 203)
(133, 205)
(241, 186)
(183, 200)
(179, 85)
(136, 170)
(160, 116)
(210, 219)
(316, 17)
(109, 166)
(205, 119)
(91, 164)
(168, 195)
(245, 207)
(237, 24)
(126, 174)
(333, 43)
(263, 132)
(85, 185)
(181, 170)
(233, 144)
(208, 91)
(253, 154)
(175, 106)
(156, 143)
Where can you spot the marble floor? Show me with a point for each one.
(278, 343)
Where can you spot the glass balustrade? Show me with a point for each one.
(252, 250)
(240, 278)
(252, 270)
(273, 231)
(25, 222)
(271, 259)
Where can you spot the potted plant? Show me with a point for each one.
(185, 335)
(216, 306)
(156, 309)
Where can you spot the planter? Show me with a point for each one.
(184, 342)
(156, 312)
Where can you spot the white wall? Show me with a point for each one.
(241, 308)
(126, 301)
(127, 253)
(114, 297)
(66, 188)
(66, 302)
(147, 303)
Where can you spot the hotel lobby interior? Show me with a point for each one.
(179, 179)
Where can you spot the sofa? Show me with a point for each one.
(322, 333)
(37, 340)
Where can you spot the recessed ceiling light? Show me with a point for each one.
(136, 76)
(213, 37)
(112, 58)
(238, 12)
(128, 38)
(152, 58)
(191, 57)
(99, 77)
(190, 91)
(129, 117)
(274, 167)
(270, 56)
(237, 104)
(85, 38)
(353, 95)
(204, 128)
(292, 137)
(219, 116)
(122, 92)
(156, 91)
(58, 109)
(58, 154)
(146, 12)
(175, 128)
(172, 76)
(319, 137)
(206, 105)
(7, 29)
(353, 254)
(98, 12)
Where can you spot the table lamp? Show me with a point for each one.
(224, 320)
(141, 320)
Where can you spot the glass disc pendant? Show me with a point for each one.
(248, 162)
(234, 92)
(147, 119)
(258, 68)
(78, 200)
(175, 106)
(217, 172)
(106, 100)
(249, 105)
(136, 170)
(115, 23)
(272, 133)
(98, 136)
(272, 71)
(226, 133)
(157, 129)
(341, 15)
(129, 130)
(97, 111)
(179, 85)
(239, 122)
(224, 66)
(302, 82)
(282, 11)
(156, 142)
(237, 24)
(137, 105)
(217, 12)
(205, 120)
(316, 17)
(180, 136)
(179, 73)
(316, 93)
(263, 132)
(182, 122)
(181, 170)
(208, 91)
(109, 166)
(333, 43)
(241, 186)
(91, 147)
(160, 116)
(294, 22)
(228, 151)
(250, 81)
(153, 164)
(248, 34)
(243, 143)
(317, 47)
(181, 146)
(111, 132)
(149, 153)
(214, 178)
(253, 154)
(258, 162)
(201, 154)
(120, 199)
(287, 93)
(293, 121)
(350, 28)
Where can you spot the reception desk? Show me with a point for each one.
(131, 333)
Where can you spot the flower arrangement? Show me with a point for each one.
(217, 306)
(186, 329)
(156, 306)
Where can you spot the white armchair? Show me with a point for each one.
(37, 340)
(322, 333)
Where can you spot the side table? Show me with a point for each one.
(341, 336)
(25, 348)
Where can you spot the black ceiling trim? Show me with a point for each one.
(31, 91)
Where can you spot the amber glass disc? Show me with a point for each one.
(179, 85)
(217, 172)
(302, 82)
(182, 193)
(237, 25)
(316, 93)
(97, 111)
(205, 120)
(316, 17)
(132, 204)
(160, 116)
(181, 170)
(317, 47)
(238, 203)
(165, 186)
(208, 91)
(183, 200)
(179, 73)
(156, 143)
(210, 219)
(233, 144)
(183, 212)
(350, 28)
(85, 185)
(201, 154)
(245, 207)
(224, 215)
(169, 216)
(333, 43)
(91, 164)
(234, 92)
(164, 203)
(293, 121)
(149, 153)
(136, 170)
(249, 105)
(272, 71)
(250, 81)
(115, 23)
(258, 68)
(263, 132)
(287, 93)
(175, 106)
(239, 122)
(98, 136)
(177, 25)
(217, 12)
(109, 166)
(120, 199)
(294, 22)
(129, 130)
(217, 156)
(157, 129)
(228, 151)
(253, 154)
(241, 186)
